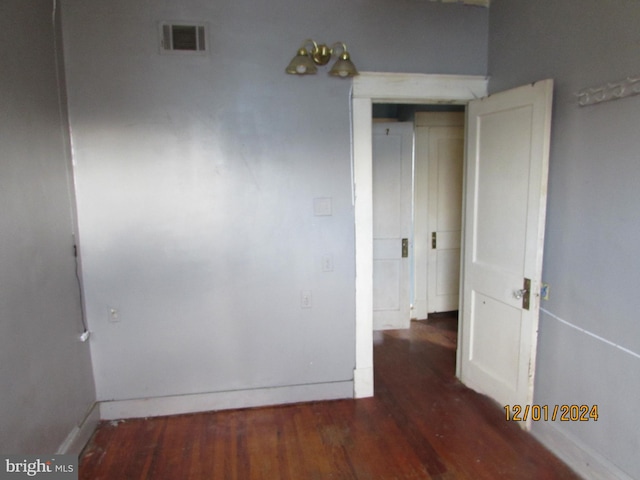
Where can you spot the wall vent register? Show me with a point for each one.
(183, 37)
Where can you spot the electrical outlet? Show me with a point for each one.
(305, 299)
(327, 263)
(113, 314)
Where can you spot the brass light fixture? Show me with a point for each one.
(311, 54)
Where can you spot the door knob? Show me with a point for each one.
(518, 294)
(524, 293)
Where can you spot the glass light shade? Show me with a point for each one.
(343, 67)
(301, 64)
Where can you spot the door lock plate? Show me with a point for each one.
(526, 298)
(405, 247)
(524, 294)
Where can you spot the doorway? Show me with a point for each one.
(505, 185)
(370, 89)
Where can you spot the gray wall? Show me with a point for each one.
(589, 345)
(196, 179)
(45, 372)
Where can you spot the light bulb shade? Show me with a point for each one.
(343, 67)
(302, 64)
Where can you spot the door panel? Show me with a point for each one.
(505, 204)
(387, 182)
(495, 323)
(392, 190)
(386, 285)
(447, 276)
(501, 213)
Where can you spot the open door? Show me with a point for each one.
(505, 203)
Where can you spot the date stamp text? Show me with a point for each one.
(544, 413)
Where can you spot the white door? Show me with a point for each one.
(392, 192)
(445, 217)
(438, 210)
(505, 203)
(443, 146)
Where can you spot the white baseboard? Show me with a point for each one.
(202, 402)
(583, 460)
(363, 382)
(178, 404)
(80, 435)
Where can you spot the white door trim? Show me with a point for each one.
(369, 88)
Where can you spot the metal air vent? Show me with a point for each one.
(183, 37)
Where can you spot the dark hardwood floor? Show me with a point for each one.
(421, 424)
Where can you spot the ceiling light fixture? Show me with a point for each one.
(305, 61)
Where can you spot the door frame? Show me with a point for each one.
(369, 88)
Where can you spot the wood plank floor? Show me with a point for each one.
(421, 424)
